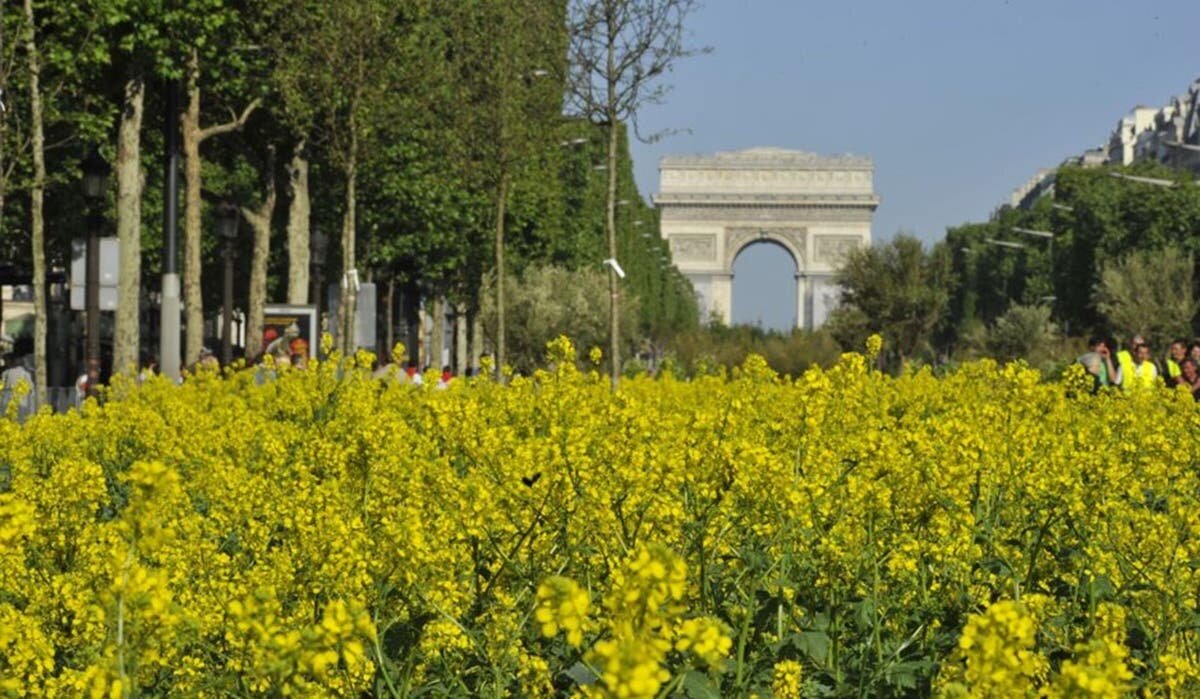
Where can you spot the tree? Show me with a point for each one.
(37, 227)
(298, 225)
(619, 51)
(1023, 332)
(897, 290)
(545, 302)
(1095, 218)
(259, 218)
(216, 21)
(141, 38)
(47, 109)
(1150, 293)
(503, 55)
(348, 69)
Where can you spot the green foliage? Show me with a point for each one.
(1096, 219)
(414, 82)
(716, 347)
(1149, 292)
(898, 290)
(1028, 333)
(545, 302)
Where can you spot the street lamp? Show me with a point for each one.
(228, 216)
(95, 176)
(1144, 180)
(318, 244)
(1003, 243)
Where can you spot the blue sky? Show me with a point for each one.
(957, 102)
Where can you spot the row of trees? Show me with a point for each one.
(445, 142)
(1107, 253)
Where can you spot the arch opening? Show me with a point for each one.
(764, 288)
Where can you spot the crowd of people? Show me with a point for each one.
(1135, 367)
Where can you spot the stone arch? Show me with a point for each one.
(790, 238)
(815, 207)
(760, 291)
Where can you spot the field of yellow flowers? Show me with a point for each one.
(843, 533)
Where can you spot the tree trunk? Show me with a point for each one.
(614, 329)
(298, 227)
(460, 339)
(437, 340)
(260, 223)
(36, 221)
(193, 301)
(389, 319)
(3, 176)
(410, 308)
(476, 340)
(349, 275)
(193, 135)
(126, 340)
(501, 205)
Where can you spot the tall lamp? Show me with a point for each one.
(228, 216)
(318, 244)
(95, 181)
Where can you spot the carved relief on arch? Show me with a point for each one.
(791, 238)
(693, 247)
(832, 249)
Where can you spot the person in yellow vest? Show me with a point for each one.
(1125, 363)
(1175, 355)
(1145, 374)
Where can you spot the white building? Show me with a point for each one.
(815, 207)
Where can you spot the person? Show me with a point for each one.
(149, 368)
(81, 387)
(280, 344)
(208, 359)
(412, 375)
(1189, 376)
(17, 373)
(299, 350)
(444, 381)
(1098, 362)
(1125, 363)
(1175, 355)
(1194, 351)
(1142, 374)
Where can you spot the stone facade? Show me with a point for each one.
(1169, 134)
(815, 207)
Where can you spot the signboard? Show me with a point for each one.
(290, 329)
(364, 313)
(109, 270)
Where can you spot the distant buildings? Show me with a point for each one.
(1169, 134)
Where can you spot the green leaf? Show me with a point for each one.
(814, 644)
(698, 685)
(581, 674)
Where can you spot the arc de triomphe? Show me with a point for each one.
(815, 207)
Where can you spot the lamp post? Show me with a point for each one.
(169, 307)
(318, 245)
(227, 226)
(95, 176)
